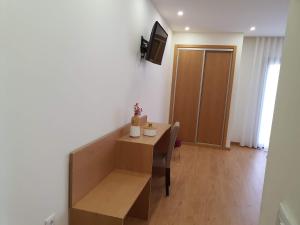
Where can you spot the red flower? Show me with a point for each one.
(137, 110)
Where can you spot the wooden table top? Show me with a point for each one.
(161, 129)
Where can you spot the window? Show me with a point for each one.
(268, 104)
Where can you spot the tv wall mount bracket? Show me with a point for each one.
(144, 47)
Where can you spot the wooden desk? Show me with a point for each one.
(126, 187)
(110, 178)
(136, 154)
(162, 128)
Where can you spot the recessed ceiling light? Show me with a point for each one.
(180, 13)
(253, 28)
(187, 28)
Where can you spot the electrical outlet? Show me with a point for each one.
(50, 220)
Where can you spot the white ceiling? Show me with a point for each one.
(269, 16)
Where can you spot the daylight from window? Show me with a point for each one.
(268, 105)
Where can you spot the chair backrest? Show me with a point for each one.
(174, 133)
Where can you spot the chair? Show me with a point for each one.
(163, 160)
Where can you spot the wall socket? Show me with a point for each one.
(50, 220)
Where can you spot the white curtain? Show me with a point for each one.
(266, 50)
(268, 104)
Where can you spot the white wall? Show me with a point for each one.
(70, 73)
(218, 39)
(282, 182)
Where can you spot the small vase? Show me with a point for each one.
(135, 131)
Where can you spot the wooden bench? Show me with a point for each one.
(100, 194)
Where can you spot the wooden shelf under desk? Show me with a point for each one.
(115, 194)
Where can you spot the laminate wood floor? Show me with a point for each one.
(209, 187)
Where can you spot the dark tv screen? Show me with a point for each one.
(157, 44)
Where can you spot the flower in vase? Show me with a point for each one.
(137, 110)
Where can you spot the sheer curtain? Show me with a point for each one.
(269, 96)
(267, 51)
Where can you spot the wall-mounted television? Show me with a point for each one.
(156, 45)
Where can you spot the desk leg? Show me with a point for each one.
(141, 207)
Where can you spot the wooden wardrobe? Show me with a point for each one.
(201, 92)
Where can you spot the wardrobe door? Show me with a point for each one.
(212, 113)
(187, 92)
